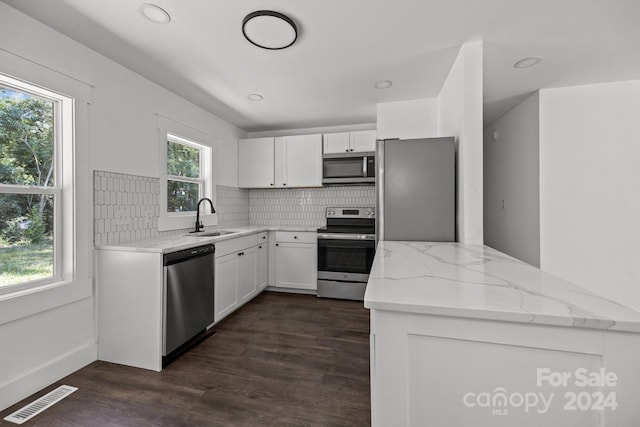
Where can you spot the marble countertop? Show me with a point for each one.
(452, 279)
(174, 243)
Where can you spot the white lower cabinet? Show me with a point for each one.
(296, 260)
(226, 285)
(247, 265)
(236, 274)
(263, 266)
(247, 277)
(129, 286)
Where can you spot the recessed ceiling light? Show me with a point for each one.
(154, 13)
(255, 97)
(527, 62)
(269, 30)
(382, 84)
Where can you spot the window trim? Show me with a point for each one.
(170, 130)
(18, 305)
(62, 190)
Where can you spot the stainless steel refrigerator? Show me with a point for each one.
(416, 189)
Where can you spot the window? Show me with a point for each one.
(185, 177)
(34, 187)
(185, 183)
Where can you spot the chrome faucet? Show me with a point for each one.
(199, 225)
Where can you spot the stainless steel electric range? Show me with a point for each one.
(346, 247)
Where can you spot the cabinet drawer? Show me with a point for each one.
(263, 237)
(234, 245)
(296, 237)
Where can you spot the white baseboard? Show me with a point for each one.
(44, 375)
(291, 290)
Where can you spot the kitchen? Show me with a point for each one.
(126, 110)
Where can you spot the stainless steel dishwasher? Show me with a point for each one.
(188, 296)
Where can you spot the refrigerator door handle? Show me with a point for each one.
(379, 190)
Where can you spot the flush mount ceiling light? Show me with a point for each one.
(382, 84)
(154, 13)
(255, 97)
(269, 30)
(527, 62)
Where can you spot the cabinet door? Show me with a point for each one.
(263, 259)
(363, 140)
(256, 163)
(247, 279)
(280, 162)
(296, 265)
(302, 161)
(336, 142)
(226, 285)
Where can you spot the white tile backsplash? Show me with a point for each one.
(126, 207)
(232, 207)
(304, 207)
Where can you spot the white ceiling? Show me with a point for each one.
(326, 78)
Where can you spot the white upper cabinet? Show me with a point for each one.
(282, 162)
(364, 140)
(344, 142)
(256, 163)
(298, 161)
(336, 142)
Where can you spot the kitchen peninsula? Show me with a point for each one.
(466, 335)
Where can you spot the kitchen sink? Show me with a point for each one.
(214, 233)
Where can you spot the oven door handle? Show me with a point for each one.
(343, 236)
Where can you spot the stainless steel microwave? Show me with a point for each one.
(349, 168)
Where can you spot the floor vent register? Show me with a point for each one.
(39, 405)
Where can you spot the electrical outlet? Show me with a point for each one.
(148, 217)
(504, 204)
(122, 216)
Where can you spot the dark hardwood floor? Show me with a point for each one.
(281, 360)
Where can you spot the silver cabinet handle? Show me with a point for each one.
(345, 236)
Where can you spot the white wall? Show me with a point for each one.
(408, 119)
(48, 334)
(124, 138)
(590, 187)
(511, 182)
(460, 115)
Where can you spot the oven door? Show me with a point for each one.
(345, 257)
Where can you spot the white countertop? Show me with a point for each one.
(175, 243)
(451, 279)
